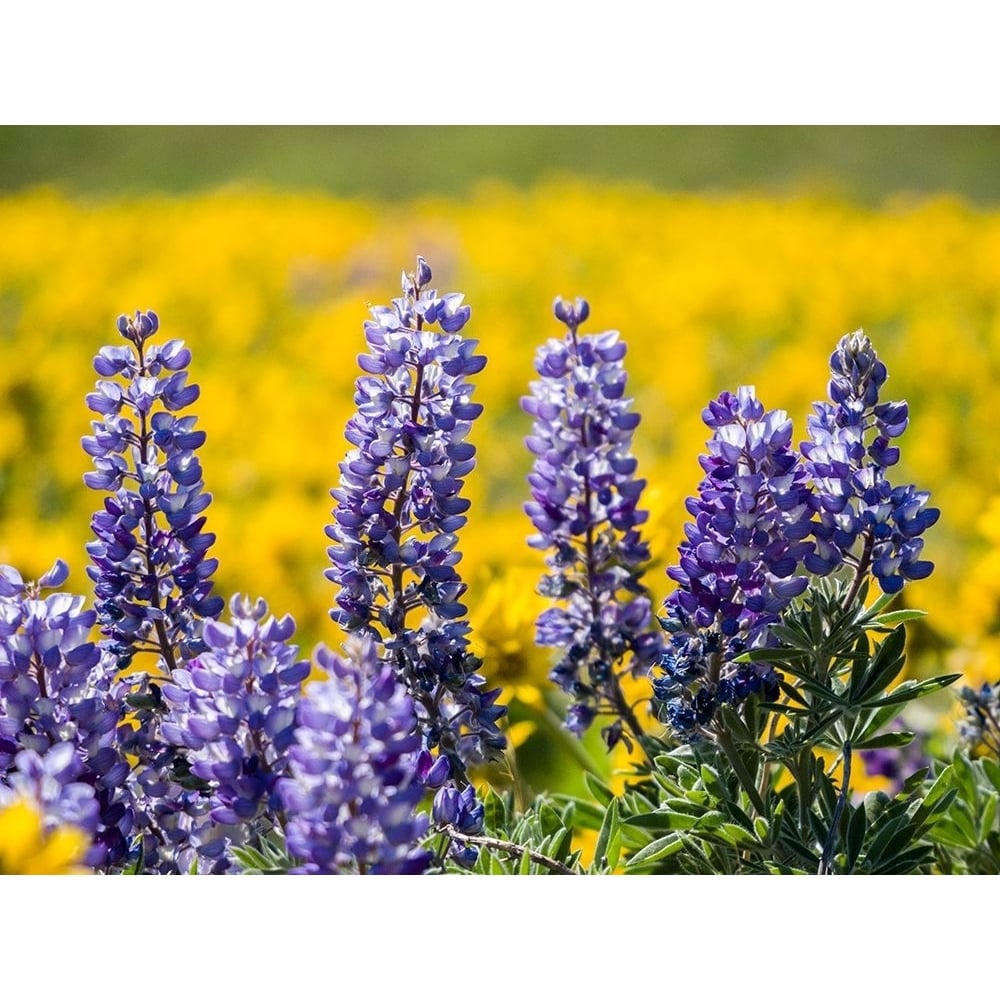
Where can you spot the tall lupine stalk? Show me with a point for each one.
(59, 716)
(864, 521)
(585, 509)
(399, 508)
(152, 577)
(739, 563)
(149, 563)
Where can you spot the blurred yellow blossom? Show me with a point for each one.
(26, 849)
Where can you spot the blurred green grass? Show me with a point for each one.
(863, 163)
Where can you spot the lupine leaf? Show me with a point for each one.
(609, 828)
(894, 739)
(909, 690)
(598, 789)
(857, 826)
(656, 851)
(893, 618)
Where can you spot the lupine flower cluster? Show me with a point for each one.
(232, 711)
(585, 509)
(58, 714)
(738, 565)
(863, 519)
(765, 519)
(354, 782)
(399, 508)
(150, 566)
(151, 573)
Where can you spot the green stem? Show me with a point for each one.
(825, 864)
(509, 848)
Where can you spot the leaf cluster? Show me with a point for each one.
(771, 792)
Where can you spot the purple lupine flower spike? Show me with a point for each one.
(864, 521)
(57, 691)
(585, 508)
(399, 507)
(739, 564)
(232, 711)
(356, 773)
(151, 573)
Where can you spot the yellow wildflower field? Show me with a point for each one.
(270, 291)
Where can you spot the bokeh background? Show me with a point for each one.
(724, 255)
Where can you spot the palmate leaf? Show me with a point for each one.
(868, 725)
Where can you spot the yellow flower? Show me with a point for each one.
(26, 849)
(503, 616)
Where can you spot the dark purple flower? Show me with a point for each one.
(353, 780)
(399, 507)
(585, 509)
(739, 563)
(863, 520)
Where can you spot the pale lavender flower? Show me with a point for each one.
(57, 689)
(231, 709)
(979, 728)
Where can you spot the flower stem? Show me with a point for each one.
(825, 864)
(518, 850)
